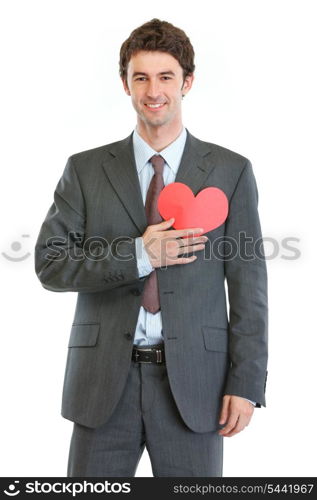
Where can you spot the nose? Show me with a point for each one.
(153, 89)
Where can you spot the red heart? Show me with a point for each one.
(208, 210)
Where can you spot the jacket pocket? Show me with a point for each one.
(84, 334)
(215, 338)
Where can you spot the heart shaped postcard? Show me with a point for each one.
(208, 209)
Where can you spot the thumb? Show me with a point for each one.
(167, 223)
(224, 410)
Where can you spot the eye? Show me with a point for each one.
(166, 77)
(141, 78)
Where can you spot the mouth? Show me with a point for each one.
(155, 107)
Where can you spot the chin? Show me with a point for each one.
(155, 122)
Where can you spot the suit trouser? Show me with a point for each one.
(146, 415)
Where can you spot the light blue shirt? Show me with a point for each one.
(149, 326)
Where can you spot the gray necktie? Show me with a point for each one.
(150, 298)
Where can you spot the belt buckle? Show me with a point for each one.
(158, 353)
(137, 354)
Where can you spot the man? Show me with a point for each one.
(152, 358)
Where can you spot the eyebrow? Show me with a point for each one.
(136, 73)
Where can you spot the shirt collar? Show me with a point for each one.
(172, 154)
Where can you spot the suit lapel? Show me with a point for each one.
(122, 173)
(196, 165)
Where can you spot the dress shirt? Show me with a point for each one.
(149, 325)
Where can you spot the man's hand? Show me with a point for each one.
(236, 413)
(164, 247)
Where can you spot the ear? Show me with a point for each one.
(125, 86)
(188, 82)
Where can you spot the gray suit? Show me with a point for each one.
(98, 197)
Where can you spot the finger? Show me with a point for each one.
(224, 411)
(182, 260)
(228, 432)
(230, 425)
(189, 249)
(238, 428)
(242, 422)
(192, 240)
(165, 224)
(186, 232)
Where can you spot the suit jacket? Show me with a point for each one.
(86, 245)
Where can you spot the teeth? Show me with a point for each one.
(154, 105)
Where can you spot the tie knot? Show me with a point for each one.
(158, 163)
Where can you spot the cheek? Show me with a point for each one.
(136, 102)
(136, 95)
(176, 99)
(176, 94)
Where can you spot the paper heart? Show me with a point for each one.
(208, 209)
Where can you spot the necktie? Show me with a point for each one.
(150, 298)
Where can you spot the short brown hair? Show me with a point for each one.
(161, 36)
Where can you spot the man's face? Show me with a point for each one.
(156, 85)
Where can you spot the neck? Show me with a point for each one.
(158, 137)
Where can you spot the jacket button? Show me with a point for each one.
(128, 335)
(135, 291)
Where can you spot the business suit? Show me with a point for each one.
(206, 357)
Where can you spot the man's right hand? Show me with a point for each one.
(164, 247)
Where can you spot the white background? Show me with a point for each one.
(254, 93)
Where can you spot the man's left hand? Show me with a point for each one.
(236, 413)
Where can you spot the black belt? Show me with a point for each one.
(149, 354)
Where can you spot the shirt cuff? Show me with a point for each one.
(143, 262)
(253, 402)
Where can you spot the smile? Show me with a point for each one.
(155, 106)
